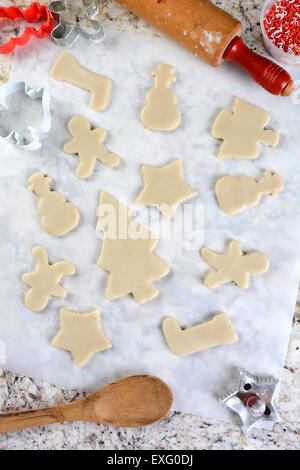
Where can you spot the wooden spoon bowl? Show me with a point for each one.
(135, 401)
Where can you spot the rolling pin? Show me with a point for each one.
(212, 35)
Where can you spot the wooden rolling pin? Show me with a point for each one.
(211, 34)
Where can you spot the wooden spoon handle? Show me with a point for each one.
(41, 417)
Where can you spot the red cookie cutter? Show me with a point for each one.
(34, 13)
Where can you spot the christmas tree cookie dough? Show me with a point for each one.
(234, 266)
(127, 253)
(58, 216)
(66, 69)
(87, 143)
(164, 188)
(216, 332)
(235, 194)
(44, 280)
(243, 130)
(81, 334)
(161, 112)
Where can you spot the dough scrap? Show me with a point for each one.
(81, 334)
(44, 280)
(243, 130)
(164, 188)
(127, 253)
(235, 194)
(87, 144)
(161, 112)
(66, 69)
(234, 266)
(218, 331)
(58, 216)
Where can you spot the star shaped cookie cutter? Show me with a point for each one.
(35, 94)
(64, 34)
(252, 398)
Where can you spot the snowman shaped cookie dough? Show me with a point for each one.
(161, 112)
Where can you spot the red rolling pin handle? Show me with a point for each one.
(269, 75)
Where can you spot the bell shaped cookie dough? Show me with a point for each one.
(44, 280)
(87, 143)
(58, 216)
(164, 188)
(242, 130)
(234, 266)
(216, 332)
(161, 112)
(235, 194)
(127, 253)
(66, 69)
(81, 334)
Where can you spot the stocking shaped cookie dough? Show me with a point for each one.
(218, 331)
(234, 266)
(165, 188)
(87, 143)
(243, 130)
(235, 194)
(44, 280)
(161, 112)
(66, 69)
(58, 216)
(127, 253)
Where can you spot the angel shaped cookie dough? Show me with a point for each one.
(161, 112)
(87, 143)
(242, 130)
(58, 216)
(234, 266)
(44, 280)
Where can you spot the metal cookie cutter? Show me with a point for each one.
(252, 398)
(35, 94)
(66, 33)
(33, 14)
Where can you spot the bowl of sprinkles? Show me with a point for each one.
(280, 24)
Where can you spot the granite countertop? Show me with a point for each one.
(178, 430)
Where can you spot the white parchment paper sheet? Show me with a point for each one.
(262, 314)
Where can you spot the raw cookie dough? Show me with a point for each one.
(58, 216)
(66, 69)
(164, 188)
(234, 266)
(87, 144)
(44, 280)
(127, 253)
(243, 130)
(206, 335)
(161, 112)
(235, 194)
(81, 335)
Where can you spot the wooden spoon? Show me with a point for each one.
(132, 402)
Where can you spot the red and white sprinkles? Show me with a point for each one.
(282, 25)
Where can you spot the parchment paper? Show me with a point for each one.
(261, 315)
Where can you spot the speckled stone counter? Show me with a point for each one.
(177, 431)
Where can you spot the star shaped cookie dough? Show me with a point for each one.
(81, 335)
(164, 188)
